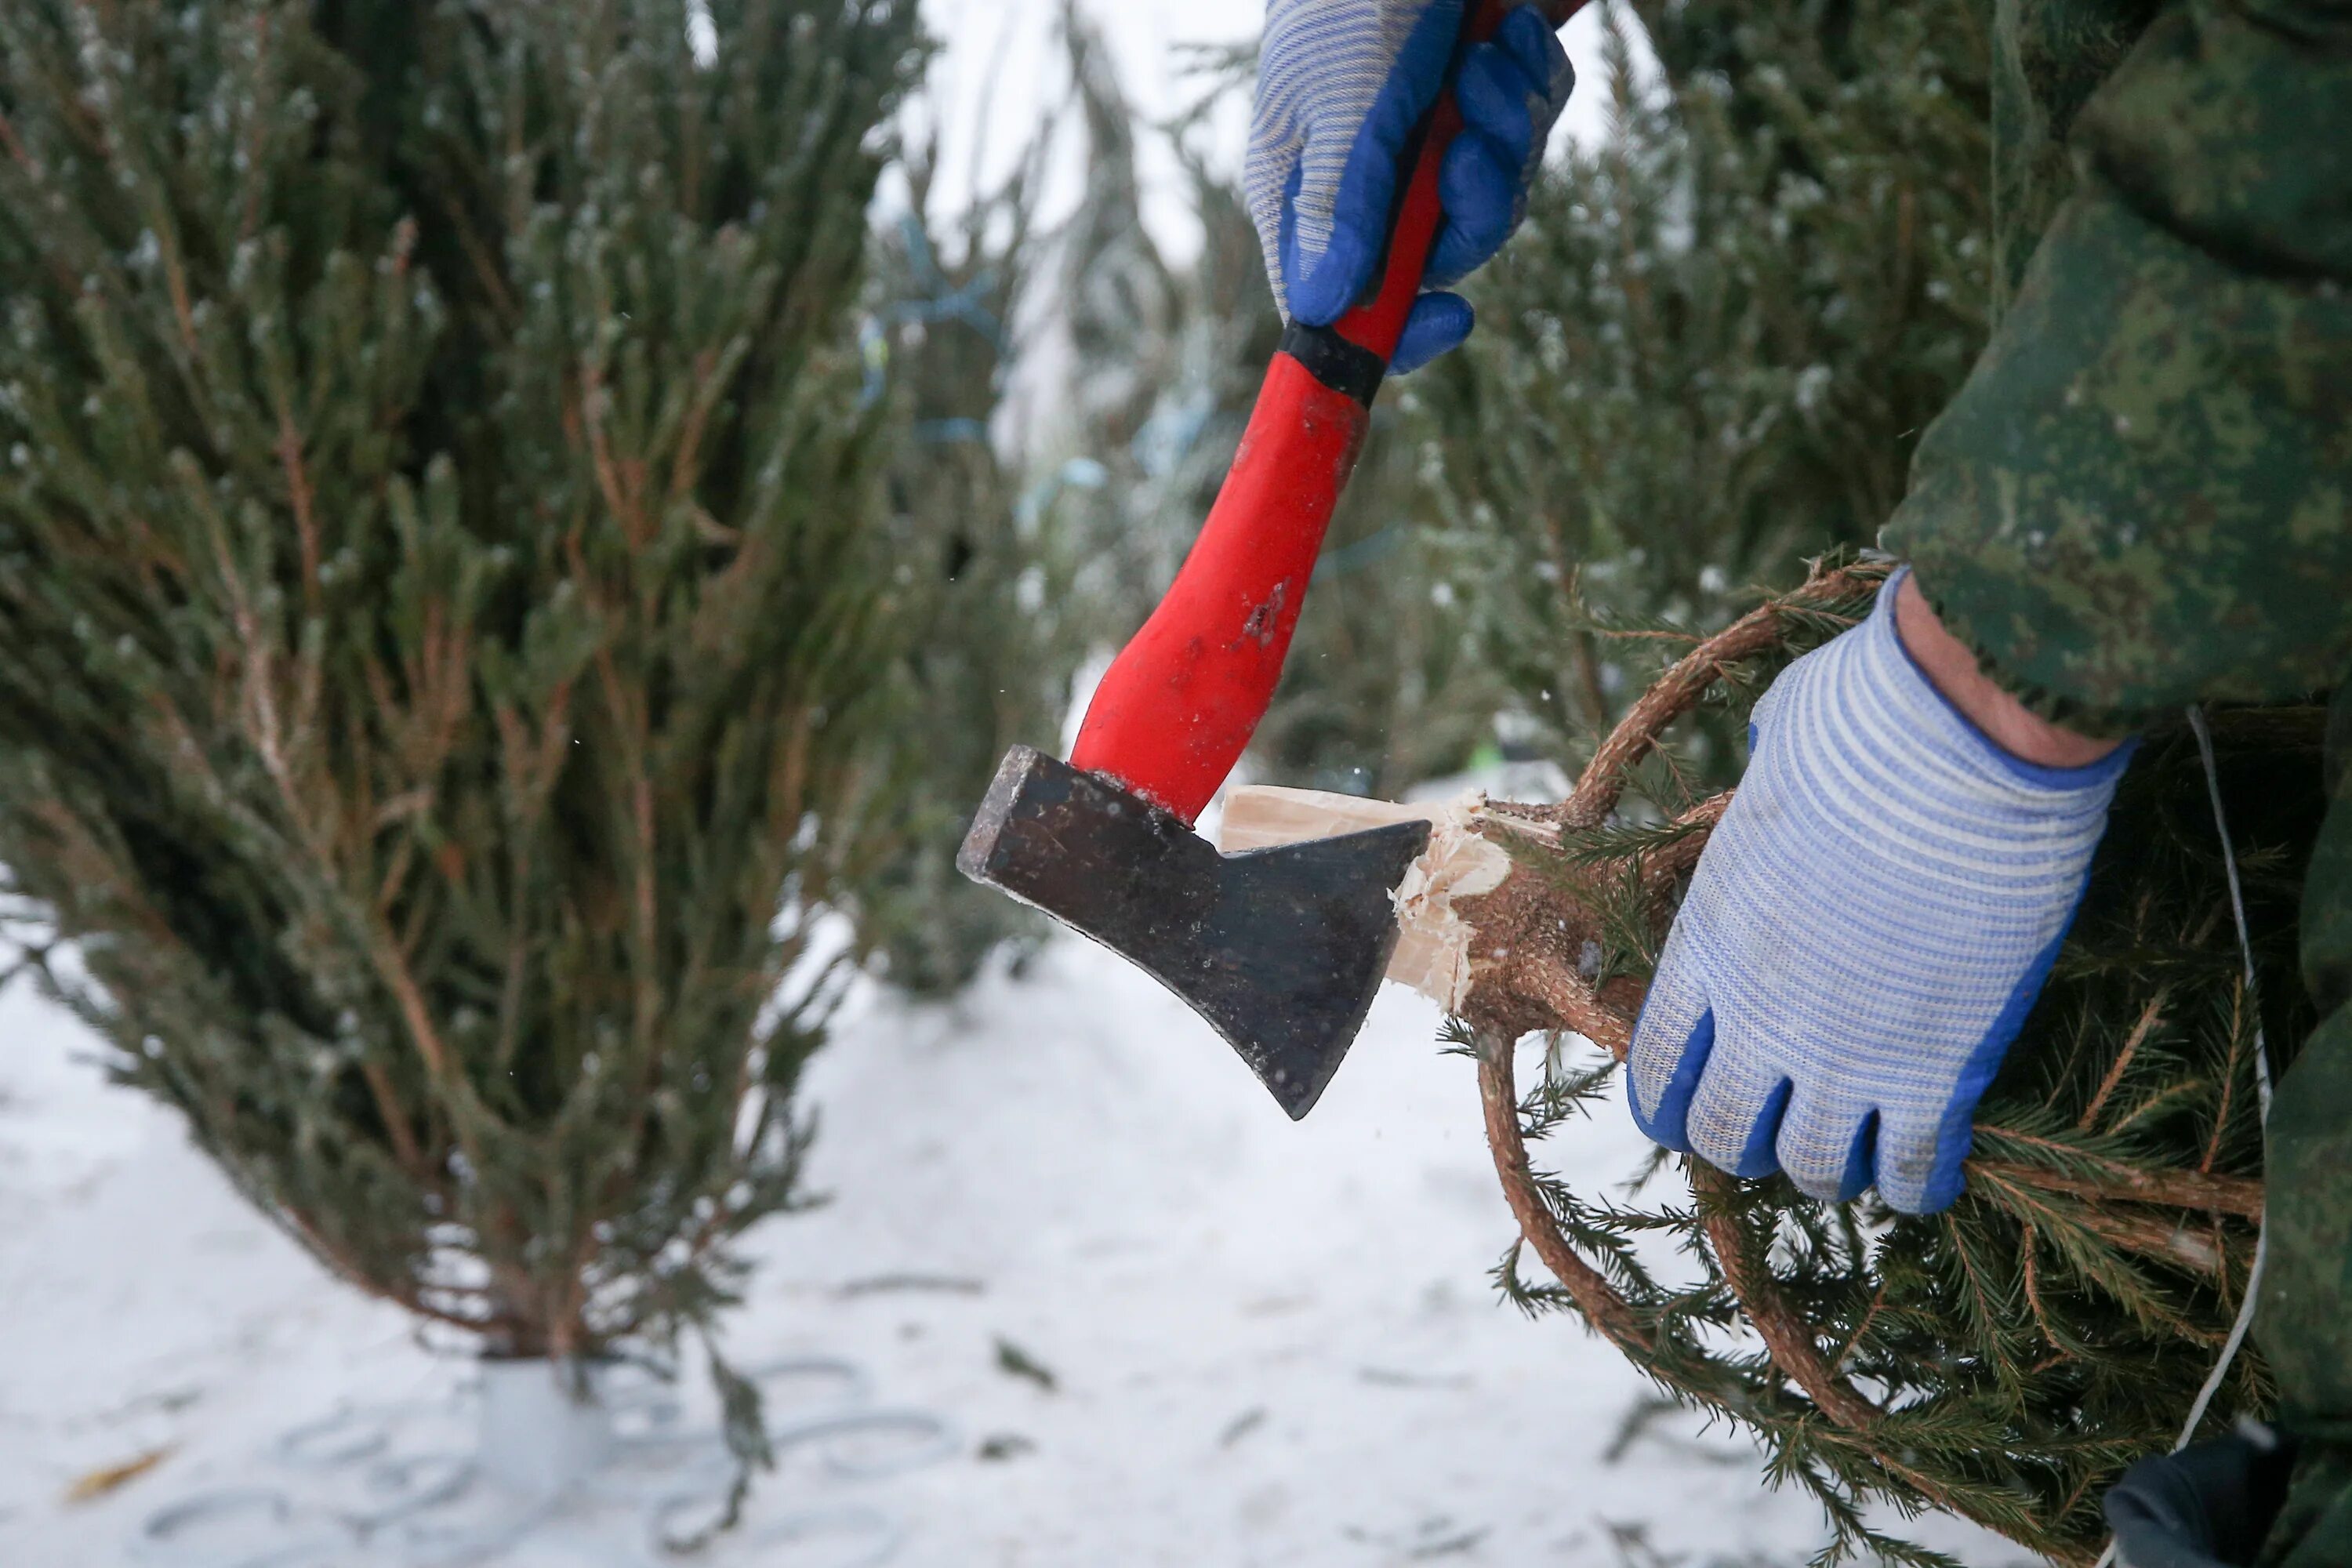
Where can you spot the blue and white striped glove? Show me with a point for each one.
(1865, 934)
(1342, 83)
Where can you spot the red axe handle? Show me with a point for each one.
(1177, 706)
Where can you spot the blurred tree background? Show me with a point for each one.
(994, 634)
(1710, 352)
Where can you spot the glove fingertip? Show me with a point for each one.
(1760, 1155)
(1667, 1124)
(1538, 76)
(1533, 46)
(1549, 59)
(1323, 288)
(1860, 1161)
(1478, 185)
(1438, 325)
(1939, 1191)
(1919, 1169)
(1492, 92)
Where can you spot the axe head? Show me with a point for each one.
(1280, 950)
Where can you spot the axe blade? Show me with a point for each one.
(1281, 950)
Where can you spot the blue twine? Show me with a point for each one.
(935, 302)
(940, 303)
(1077, 473)
(1168, 437)
(1364, 553)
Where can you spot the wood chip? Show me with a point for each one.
(111, 1478)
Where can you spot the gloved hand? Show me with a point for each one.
(1342, 83)
(1865, 933)
(2208, 1506)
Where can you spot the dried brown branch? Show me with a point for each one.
(2238, 1196)
(1785, 1333)
(1791, 1340)
(2028, 1249)
(299, 492)
(2149, 1020)
(1602, 1307)
(1788, 1336)
(1683, 687)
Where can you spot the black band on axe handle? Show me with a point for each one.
(1344, 367)
(1281, 950)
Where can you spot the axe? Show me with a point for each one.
(1280, 949)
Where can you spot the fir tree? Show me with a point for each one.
(1147, 389)
(1710, 350)
(444, 617)
(995, 640)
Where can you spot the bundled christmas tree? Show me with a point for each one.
(445, 613)
(1706, 358)
(996, 639)
(2003, 1360)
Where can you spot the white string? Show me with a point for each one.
(2237, 1339)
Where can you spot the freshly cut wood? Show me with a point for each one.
(1433, 954)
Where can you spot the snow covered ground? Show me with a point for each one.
(1269, 1343)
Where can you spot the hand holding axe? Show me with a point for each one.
(1281, 949)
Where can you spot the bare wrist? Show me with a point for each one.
(2007, 723)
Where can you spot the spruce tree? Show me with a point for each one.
(1709, 351)
(994, 640)
(446, 616)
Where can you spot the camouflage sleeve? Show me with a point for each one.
(2143, 495)
(2304, 1324)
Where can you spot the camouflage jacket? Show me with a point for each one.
(2143, 494)
(2143, 498)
